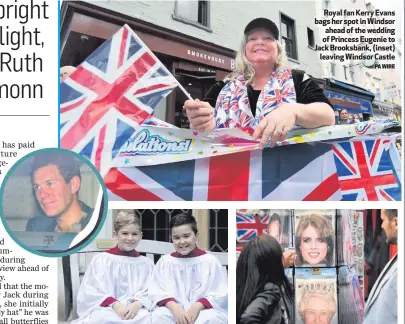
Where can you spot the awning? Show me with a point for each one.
(383, 109)
(352, 88)
(352, 104)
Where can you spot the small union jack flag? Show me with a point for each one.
(248, 226)
(367, 170)
(109, 95)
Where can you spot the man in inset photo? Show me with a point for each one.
(56, 181)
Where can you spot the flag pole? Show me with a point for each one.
(184, 90)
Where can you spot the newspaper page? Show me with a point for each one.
(196, 109)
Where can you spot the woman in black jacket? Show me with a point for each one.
(262, 92)
(263, 293)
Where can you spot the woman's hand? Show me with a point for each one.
(180, 315)
(133, 309)
(200, 114)
(194, 311)
(276, 124)
(120, 309)
(289, 258)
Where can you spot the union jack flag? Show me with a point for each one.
(368, 170)
(109, 95)
(293, 172)
(249, 226)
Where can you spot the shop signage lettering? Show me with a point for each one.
(207, 57)
(145, 144)
(346, 102)
(206, 70)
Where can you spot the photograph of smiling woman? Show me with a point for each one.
(314, 239)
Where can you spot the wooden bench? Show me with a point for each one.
(75, 266)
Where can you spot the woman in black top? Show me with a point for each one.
(259, 84)
(263, 293)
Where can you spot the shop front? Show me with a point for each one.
(355, 100)
(383, 110)
(196, 64)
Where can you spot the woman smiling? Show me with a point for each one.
(259, 84)
(314, 240)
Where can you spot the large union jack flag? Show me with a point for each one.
(368, 170)
(293, 172)
(250, 226)
(109, 95)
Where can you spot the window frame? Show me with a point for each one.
(215, 227)
(283, 17)
(309, 30)
(185, 20)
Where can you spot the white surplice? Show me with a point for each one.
(187, 281)
(124, 278)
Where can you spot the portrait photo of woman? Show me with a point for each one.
(314, 239)
(279, 226)
(317, 302)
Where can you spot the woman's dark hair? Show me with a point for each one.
(184, 219)
(260, 262)
(340, 111)
(275, 218)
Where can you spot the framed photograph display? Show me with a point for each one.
(279, 226)
(315, 238)
(315, 296)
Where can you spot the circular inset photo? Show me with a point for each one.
(53, 202)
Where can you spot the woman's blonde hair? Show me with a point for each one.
(244, 67)
(125, 218)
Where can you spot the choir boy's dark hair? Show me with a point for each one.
(184, 219)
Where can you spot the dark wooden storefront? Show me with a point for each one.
(196, 64)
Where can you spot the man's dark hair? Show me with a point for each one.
(184, 219)
(68, 165)
(391, 213)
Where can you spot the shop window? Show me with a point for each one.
(197, 85)
(311, 37)
(195, 12)
(288, 36)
